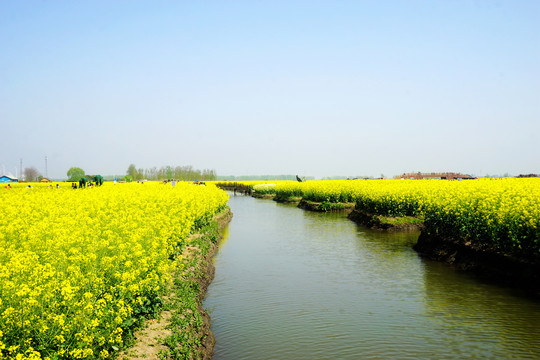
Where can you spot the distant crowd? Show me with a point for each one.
(173, 182)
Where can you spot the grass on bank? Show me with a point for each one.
(190, 330)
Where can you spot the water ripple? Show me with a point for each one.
(291, 284)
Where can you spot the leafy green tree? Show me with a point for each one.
(132, 171)
(75, 174)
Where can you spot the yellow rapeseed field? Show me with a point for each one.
(500, 213)
(79, 267)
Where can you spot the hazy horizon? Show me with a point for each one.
(318, 88)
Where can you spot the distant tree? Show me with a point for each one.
(75, 174)
(30, 174)
(182, 173)
(132, 171)
(208, 174)
(151, 174)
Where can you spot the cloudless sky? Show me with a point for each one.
(315, 88)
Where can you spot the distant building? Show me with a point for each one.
(8, 179)
(442, 175)
(45, 180)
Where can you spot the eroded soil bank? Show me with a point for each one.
(521, 272)
(379, 222)
(325, 206)
(263, 196)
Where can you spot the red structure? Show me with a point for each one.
(440, 175)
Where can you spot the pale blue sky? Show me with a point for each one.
(315, 88)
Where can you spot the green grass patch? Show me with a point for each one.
(189, 329)
(264, 189)
(287, 198)
(401, 220)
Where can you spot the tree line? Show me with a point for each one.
(261, 177)
(170, 172)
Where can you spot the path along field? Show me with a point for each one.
(500, 214)
(79, 268)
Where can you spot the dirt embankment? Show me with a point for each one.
(263, 196)
(379, 222)
(519, 271)
(288, 200)
(325, 206)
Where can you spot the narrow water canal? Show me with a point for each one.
(294, 284)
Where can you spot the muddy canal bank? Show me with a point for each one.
(489, 263)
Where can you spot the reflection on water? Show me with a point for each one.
(293, 284)
(481, 316)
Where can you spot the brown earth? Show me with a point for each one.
(263, 196)
(149, 341)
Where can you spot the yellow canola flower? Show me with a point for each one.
(76, 265)
(502, 213)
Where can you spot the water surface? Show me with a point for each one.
(294, 284)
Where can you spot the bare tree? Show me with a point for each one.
(31, 174)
